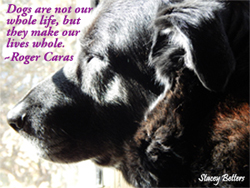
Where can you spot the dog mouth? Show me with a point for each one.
(50, 143)
(53, 143)
(55, 149)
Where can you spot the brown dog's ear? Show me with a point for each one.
(197, 28)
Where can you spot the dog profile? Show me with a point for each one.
(160, 91)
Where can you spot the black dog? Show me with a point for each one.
(180, 67)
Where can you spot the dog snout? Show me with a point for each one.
(16, 117)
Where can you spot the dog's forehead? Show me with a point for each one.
(115, 49)
(120, 26)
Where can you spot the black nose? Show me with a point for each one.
(16, 117)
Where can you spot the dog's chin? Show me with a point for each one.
(58, 151)
(59, 157)
(106, 160)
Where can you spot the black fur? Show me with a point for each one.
(159, 91)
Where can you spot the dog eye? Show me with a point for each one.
(89, 59)
(94, 3)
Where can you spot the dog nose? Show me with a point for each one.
(16, 117)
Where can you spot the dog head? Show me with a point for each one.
(91, 106)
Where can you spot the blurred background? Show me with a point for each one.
(19, 166)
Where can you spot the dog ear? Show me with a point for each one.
(197, 28)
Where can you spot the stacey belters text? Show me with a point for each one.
(223, 178)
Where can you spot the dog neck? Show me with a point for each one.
(178, 133)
